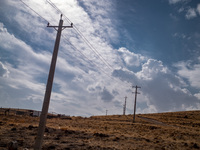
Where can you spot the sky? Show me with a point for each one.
(112, 46)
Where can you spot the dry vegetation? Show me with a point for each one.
(177, 130)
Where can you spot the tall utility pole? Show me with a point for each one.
(45, 107)
(124, 110)
(106, 112)
(136, 87)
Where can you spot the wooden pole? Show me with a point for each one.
(43, 116)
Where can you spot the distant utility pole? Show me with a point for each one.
(124, 110)
(106, 112)
(136, 87)
(45, 107)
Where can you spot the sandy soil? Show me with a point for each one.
(174, 131)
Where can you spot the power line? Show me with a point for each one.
(91, 62)
(93, 48)
(79, 51)
(34, 11)
(83, 37)
(87, 42)
(54, 6)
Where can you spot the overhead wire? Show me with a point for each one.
(85, 40)
(82, 36)
(38, 15)
(90, 61)
(88, 43)
(62, 35)
(34, 11)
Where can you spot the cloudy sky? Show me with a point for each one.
(114, 44)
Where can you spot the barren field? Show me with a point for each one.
(174, 131)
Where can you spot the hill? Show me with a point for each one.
(174, 130)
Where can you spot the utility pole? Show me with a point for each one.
(45, 107)
(136, 87)
(106, 112)
(124, 110)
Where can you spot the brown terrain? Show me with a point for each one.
(161, 131)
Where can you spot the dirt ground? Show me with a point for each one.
(162, 131)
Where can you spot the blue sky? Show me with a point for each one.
(152, 44)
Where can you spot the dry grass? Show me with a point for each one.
(106, 132)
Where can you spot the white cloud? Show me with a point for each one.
(198, 8)
(174, 17)
(106, 95)
(176, 1)
(130, 58)
(20, 52)
(150, 69)
(197, 95)
(81, 86)
(161, 89)
(102, 14)
(197, 107)
(191, 13)
(190, 72)
(181, 9)
(31, 68)
(181, 35)
(149, 109)
(3, 70)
